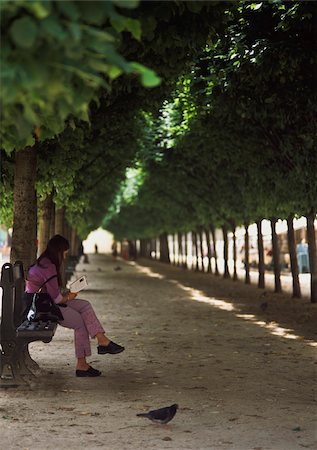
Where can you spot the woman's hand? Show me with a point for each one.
(69, 296)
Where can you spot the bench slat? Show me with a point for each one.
(40, 330)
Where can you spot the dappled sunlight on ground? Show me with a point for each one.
(147, 271)
(200, 297)
(194, 294)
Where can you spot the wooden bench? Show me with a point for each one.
(15, 361)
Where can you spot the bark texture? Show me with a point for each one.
(46, 211)
(293, 257)
(276, 257)
(226, 273)
(213, 233)
(164, 251)
(60, 221)
(261, 265)
(24, 243)
(246, 253)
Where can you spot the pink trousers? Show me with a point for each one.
(80, 316)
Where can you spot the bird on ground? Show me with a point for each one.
(161, 415)
(117, 268)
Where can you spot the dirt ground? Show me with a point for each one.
(240, 362)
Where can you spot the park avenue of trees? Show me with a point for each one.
(157, 118)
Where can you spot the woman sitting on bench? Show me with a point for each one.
(78, 314)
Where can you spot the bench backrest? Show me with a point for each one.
(13, 286)
(19, 283)
(7, 329)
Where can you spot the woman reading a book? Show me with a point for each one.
(78, 314)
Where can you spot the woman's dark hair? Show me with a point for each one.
(56, 246)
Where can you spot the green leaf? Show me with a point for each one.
(134, 27)
(148, 76)
(68, 9)
(39, 8)
(51, 26)
(75, 30)
(24, 32)
(29, 114)
(102, 36)
(114, 72)
(98, 65)
(121, 23)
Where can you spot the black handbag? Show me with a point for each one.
(40, 306)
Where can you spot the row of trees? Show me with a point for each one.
(189, 246)
(225, 136)
(237, 138)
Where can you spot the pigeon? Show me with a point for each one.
(117, 268)
(161, 415)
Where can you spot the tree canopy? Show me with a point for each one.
(211, 105)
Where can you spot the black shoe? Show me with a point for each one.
(91, 372)
(112, 348)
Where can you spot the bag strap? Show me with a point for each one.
(46, 281)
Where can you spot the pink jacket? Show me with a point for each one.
(38, 274)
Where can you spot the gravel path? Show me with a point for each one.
(244, 375)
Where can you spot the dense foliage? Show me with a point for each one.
(237, 140)
(227, 136)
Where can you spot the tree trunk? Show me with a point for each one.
(143, 248)
(185, 265)
(192, 249)
(67, 231)
(234, 238)
(180, 249)
(73, 243)
(173, 249)
(150, 248)
(226, 273)
(52, 224)
(46, 211)
(261, 265)
(209, 270)
(24, 233)
(164, 251)
(246, 254)
(213, 233)
(60, 221)
(312, 254)
(197, 252)
(201, 249)
(192, 236)
(276, 257)
(293, 256)
(156, 246)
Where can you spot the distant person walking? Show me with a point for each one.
(96, 248)
(114, 250)
(78, 314)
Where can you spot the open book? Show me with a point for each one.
(78, 284)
